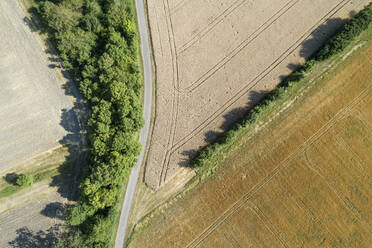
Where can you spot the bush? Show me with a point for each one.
(25, 180)
(353, 28)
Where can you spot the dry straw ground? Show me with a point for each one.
(216, 58)
(36, 116)
(305, 180)
(34, 103)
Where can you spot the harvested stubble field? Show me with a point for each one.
(303, 180)
(215, 59)
(34, 223)
(36, 116)
(34, 103)
(32, 216)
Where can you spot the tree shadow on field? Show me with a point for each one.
(74, 123)
(316, 40)
(212, 136)
(186, 157)
(30, 24)
(27, 238)
(73, 120)
(320, 35)
(11, 178)
(312, 43)
(55, 210)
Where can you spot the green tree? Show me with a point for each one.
(25, 180)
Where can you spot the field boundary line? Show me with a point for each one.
(346, 146)
(231, 239)
(364, 119)
(309, 213)
(285, 163)
(333, 187)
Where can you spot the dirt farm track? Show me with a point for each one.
(33, 103)
(214, 59)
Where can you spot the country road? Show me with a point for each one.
(147, 71)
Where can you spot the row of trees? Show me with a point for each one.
(353, 28)
(98, 43)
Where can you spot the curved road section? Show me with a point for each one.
(147, 71)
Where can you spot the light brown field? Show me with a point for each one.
(32, 216)
(39, 111)
(214, 59)
(34, 103)
(305, 180)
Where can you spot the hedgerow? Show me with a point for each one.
(352, 29)
(204, 163)
(98, 43)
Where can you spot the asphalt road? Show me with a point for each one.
(147, 70)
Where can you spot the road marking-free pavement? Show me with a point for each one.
(147, 77)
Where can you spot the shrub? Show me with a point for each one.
(25, 180)
(346, 35)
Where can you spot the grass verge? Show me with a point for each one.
(48, 166)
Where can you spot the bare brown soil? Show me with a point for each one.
(214, 59)
(302, 181)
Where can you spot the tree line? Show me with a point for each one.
(97, 41)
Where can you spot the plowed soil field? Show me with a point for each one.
(214, 59)
(304, 180)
